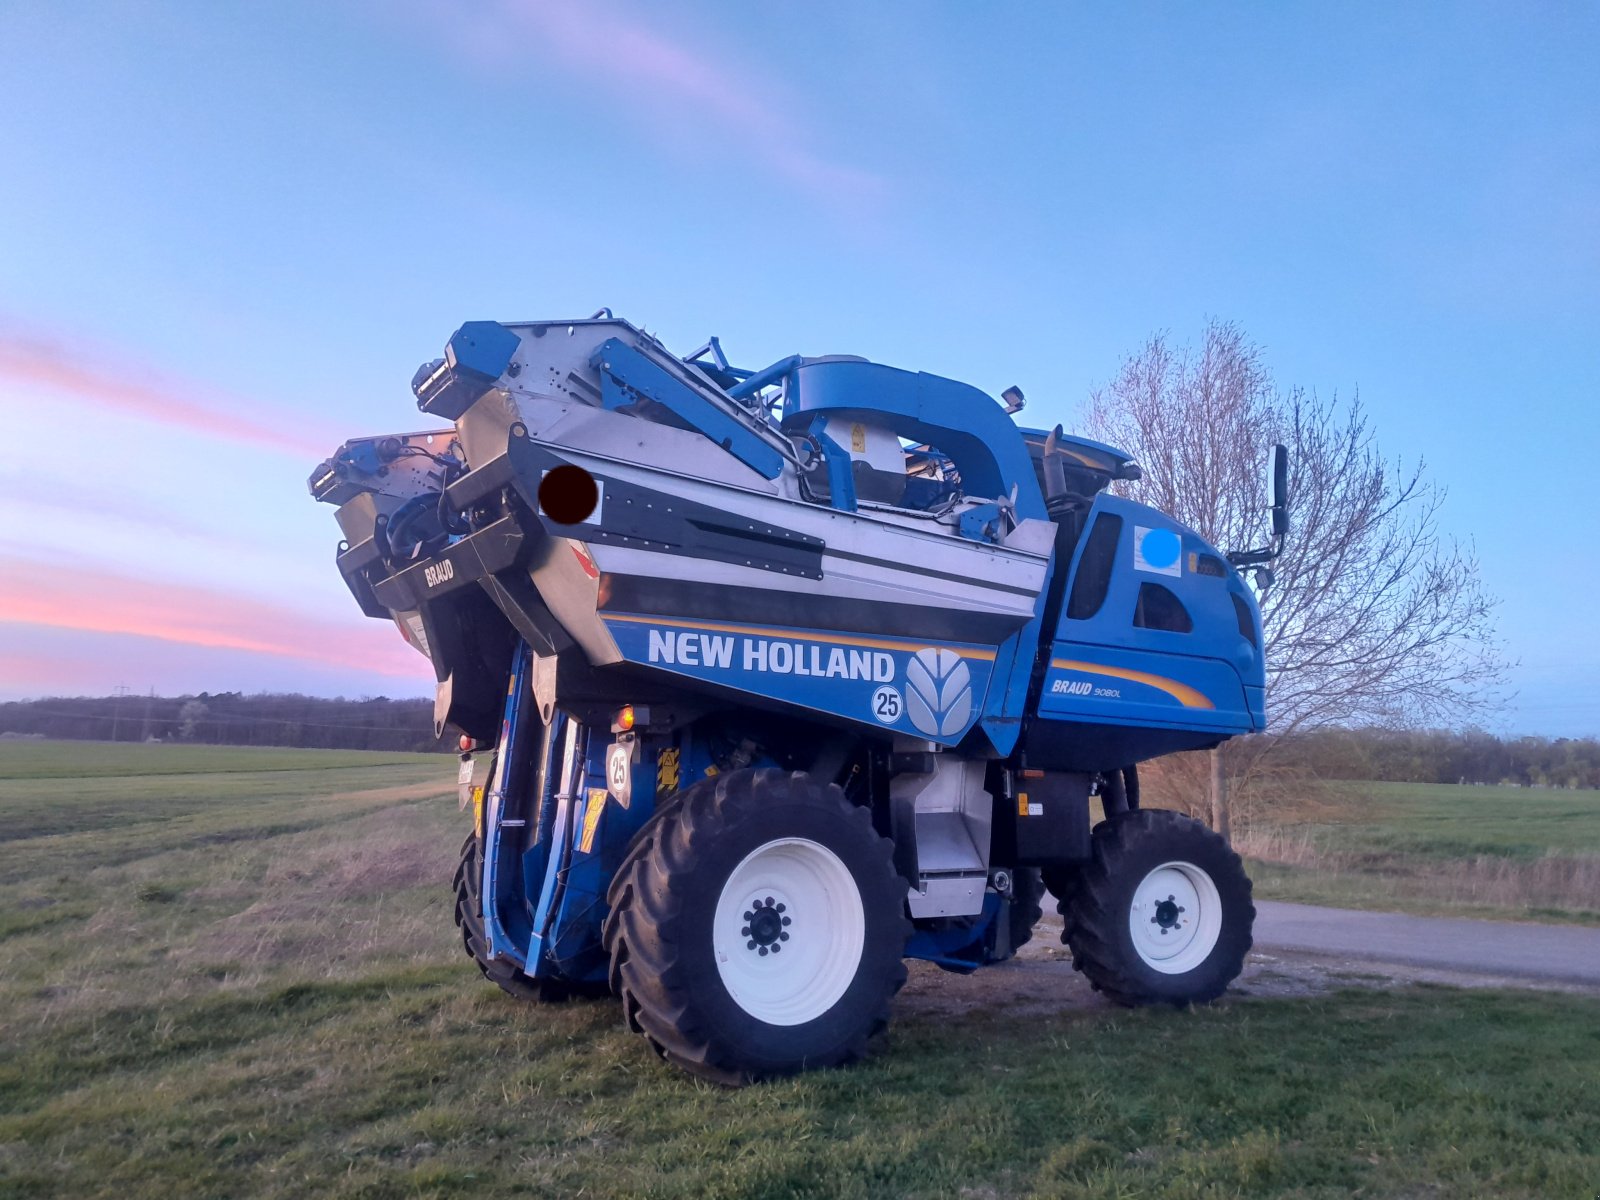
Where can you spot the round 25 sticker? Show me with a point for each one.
(886, 704)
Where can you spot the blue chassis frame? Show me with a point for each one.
(543, 909)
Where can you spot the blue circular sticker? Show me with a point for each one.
(1160, 547)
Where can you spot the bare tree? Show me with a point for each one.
(1375, 615)
(190, 716)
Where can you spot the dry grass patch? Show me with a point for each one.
(1412, 851)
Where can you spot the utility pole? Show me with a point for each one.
(116, 711)
(1219, 796)
(149, 703)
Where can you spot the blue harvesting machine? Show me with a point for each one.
(768, 681)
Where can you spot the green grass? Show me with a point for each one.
(1518, 853)
(1453, 822)
(287, 1013)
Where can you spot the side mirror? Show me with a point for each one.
(1279, 483)
(1280, 490)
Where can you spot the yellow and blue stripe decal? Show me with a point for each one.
(933, 690)
(1185, 695)
(1115, 685)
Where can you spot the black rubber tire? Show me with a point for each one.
(1095, 902)
(663, 902)
(504, 975)
(1027, 890)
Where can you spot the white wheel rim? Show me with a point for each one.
(1176, 918)
(798, 896)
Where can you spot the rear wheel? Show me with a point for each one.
(503, 974)
(759, 931)
(1161, 913)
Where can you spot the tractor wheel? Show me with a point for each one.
(469, 920)
(1161, 914)
(1027, 890)
(759, 930)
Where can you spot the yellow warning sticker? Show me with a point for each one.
(1022, 804)
(858, 438)
(477, 809)
(591, 818)
(668, 764)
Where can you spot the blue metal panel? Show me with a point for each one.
(482, 347)
(959, 946)
(569, 942)
(1106, 669)
(602, 828)
(475, 357)
(626, 375)
(504, 917)
(841, 484)
(765, 377)
(963, 422)
(980, 523)
(559, 843)
(934, 691)
(1007, 701)
(1114, 685)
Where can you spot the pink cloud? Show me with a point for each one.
(646, 70)
(133, 389)
(40, 491)
(97, 601)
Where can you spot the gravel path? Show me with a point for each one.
(1300, 950)
(1506, 949)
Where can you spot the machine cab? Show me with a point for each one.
(1149, 627)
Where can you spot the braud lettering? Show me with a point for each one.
(1082, 687)
(685, 649)
(439, 572)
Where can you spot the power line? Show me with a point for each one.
(224, 718)
(116, 710)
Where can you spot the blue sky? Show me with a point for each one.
(229, 233)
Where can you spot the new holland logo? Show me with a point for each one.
(938, 692)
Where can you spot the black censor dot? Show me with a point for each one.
(568, 494)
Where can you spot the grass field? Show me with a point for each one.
(231, 973)
(1520, 853)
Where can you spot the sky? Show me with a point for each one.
(229, 233)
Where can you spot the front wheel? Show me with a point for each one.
(475, 941)
(759, 930)
(1162, 912)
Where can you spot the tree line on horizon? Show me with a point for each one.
(230, 718)
(381, 723)
(1445, 756)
